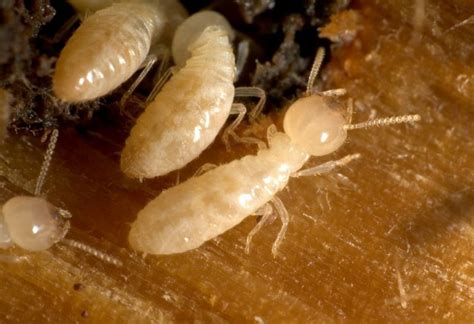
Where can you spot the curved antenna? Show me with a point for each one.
(47, 161)
(318, 60)
(92, 251)
(384, 122)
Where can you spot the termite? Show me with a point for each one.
(183, 217)
(110, 45)
(34, 224)
(31, 222)
(191, 108)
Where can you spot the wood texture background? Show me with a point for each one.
(389, 238)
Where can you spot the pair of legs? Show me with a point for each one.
(266, 211)
(161, 54)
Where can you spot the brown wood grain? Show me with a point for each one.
(389, 238)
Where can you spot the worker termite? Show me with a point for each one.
(184, 217)
(34, 224)
(191, 108)
(110, 45)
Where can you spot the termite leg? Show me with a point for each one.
(266, 211)
(253, 92)
(65, 28)
(285, 219)
(240, 110)
(161, 54)
(148, 64)
(350, 111)
(243, 49)
(334, 93)
(204, 168)
(162, 74)
(86, 14)
(158, 85)
(326, 167)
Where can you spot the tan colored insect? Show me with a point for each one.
(184, 217)
(187, 114)
(190, 30)
(34, 224)
(111, 45)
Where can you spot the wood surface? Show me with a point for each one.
(389, 238)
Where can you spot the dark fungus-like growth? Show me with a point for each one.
(283, 37)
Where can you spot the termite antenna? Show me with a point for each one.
(318, 60)
(384, 122)
(53, 139)
(98, 254)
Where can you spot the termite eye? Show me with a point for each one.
(33, 223)
(314, 127)
(191, 29)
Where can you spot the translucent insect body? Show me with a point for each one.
(184, 217)
(32, 222)
(111, 45)
(187, 114)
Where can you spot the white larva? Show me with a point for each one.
(111, 45)
(184, 217)
(34, 224)
(187, 114)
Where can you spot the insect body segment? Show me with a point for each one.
(190, 30)
(32, 223)
(216, 201)
(108, 48)
(186, 116)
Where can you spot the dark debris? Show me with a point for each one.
(284, 34)
(287, 70)
(26, 65)
(251, 8)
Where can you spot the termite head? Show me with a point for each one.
(33, 223)
(318, 128)
(314, 126)
(190, 30)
